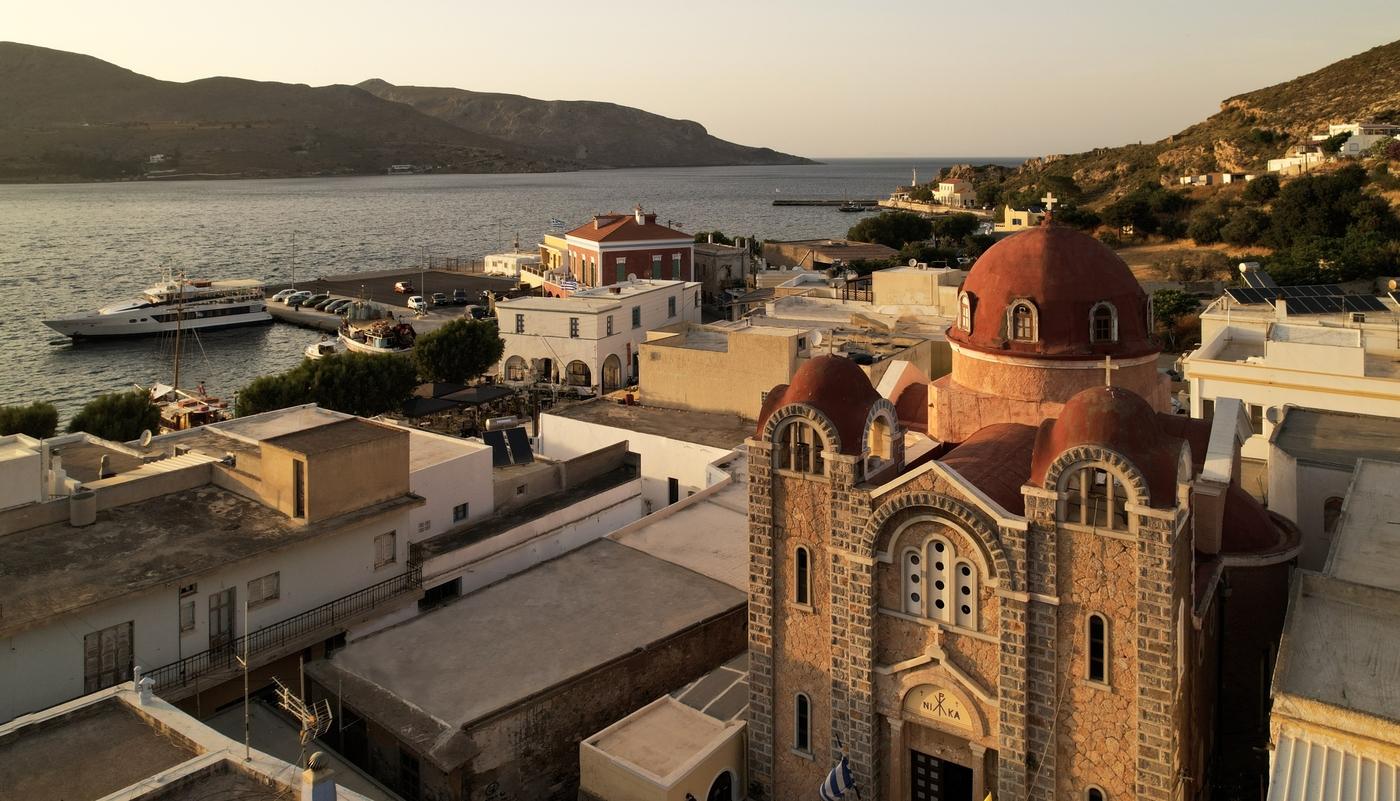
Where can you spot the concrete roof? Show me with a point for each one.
(1339, 646)
(54, 569)
(1336, 438)
(591, 301)
(702, 428)
(268, 425)
(705, 533)
(430, 677)
(426, 449)
(86, 754)
(660, 737)
(1366, 548)
(334, 436)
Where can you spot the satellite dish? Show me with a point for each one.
(146, 438)
(913, 262)
(1273, 414)
(1392, 285)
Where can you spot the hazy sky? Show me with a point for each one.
(819, 78)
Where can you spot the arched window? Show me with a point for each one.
(1098, 648)
(965, 594)
(578, 374)
(1103, 323)
(802, 577)
(939, 554)
(1094, 794)
(1095, 497)
(722, 789)
(802, 723)
(913, 582)
(516, 369)
(1331, 515)
(879, 439)
(1023, 322)
(965, 312)
(799, 448)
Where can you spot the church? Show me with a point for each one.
(1011, 580)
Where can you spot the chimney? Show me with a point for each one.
(145, 690)
(637, 212)
(316, 782)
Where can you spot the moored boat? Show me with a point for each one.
(323, 348)
(173, 303)
(378, 337)
(181, 409)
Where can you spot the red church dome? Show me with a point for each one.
(1067, 280)
(834, 386)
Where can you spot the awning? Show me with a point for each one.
(420, 407)
(1304, 770)
(479, 394)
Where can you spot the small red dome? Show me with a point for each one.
(1121, 421)
(1064, 273)
(834, 386)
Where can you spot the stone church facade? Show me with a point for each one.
(1027, 611)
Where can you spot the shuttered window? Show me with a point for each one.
(107, 658)
(262, 590)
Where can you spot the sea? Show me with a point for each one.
(74, 247)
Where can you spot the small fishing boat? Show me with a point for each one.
(184, 409)
(378, 337)
(851, 205)
(325, 347)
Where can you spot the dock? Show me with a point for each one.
(824, 202)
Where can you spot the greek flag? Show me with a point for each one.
(838, 781)
(569, 284)
(557, 224)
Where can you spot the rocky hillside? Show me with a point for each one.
(591, 133)
(1249, 129)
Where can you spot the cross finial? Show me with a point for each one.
(1108, 368)
(1050, 200)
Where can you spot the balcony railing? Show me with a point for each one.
(293, 630)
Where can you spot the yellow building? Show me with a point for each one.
(1013, 220)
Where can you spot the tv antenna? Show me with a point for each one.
(314, 719)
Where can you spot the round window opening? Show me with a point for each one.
(938, 603)
(913, 559)
(914, 596)
(938, 546)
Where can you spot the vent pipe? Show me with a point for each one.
(82, 508)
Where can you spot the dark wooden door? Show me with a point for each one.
(221, 610)
(933, 779)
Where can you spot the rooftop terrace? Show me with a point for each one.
(701, 428)
(1339, 439)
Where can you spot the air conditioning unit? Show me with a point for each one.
(1358, 317)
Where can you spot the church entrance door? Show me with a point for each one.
(934, 779)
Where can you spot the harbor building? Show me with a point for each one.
(616, 247)
(955, 192)
(1032, 608)
(720, 268)
(589, 340)
(1331, 351)
(1333, 728)
(267, 534)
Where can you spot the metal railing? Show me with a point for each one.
(282, 633)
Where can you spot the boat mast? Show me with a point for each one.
(179, 322)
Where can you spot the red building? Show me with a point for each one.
(614, 246)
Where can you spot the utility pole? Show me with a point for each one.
(294, 259)
(243, 662)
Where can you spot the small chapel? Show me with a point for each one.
(1014, 579)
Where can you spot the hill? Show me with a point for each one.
(591, 133)
(1248, 130)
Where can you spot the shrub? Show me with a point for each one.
(1262, 189)
(118, 416)
(355, 383)
(38, 420)
(892, 229)
(458, 351)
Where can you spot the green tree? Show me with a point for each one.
(1168, 307)
(364, 384)
(118, 416)
(955, 226)
(1334, 143)
(1204, 226)
(1262, 189)
(891, 229)
(926, 253)
(720, 238)
(38, 420)
(1247, 226)
(458, 351)
(1078, 217)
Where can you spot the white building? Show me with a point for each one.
(1297, 163)
(956, 193)
(286, 527)
(1269, 358)
(591, 338)
(510, 264)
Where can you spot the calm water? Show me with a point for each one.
(75, 247)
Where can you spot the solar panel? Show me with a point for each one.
(1257, 280)
(1246, 295)
(519, 445)
(500, 454)
(1364, 303)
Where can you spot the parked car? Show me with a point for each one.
(321, 306)
(315, 300)
(476, 312)
(296, 298)
(417, 303)
(283, 295)
(440, 299)
(336, 305)
(459, 297)
(403, 288)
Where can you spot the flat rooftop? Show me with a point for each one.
(597, 299)
(86, 754)
(709, 535)
(431, 676)
(427, 449)
(1337, 439)
(660, 737)
(334, 436)
(1339, 646)
(702, 428)
(54, 569)
(1366, 547)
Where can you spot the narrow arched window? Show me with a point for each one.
(799, 447)
(1103, 323)
(802, 577)
(1098, 648)
(965, 312)
(1331, 514)
(880, 438)
(1023, 322)
(802, 723)
(913, 582)
(965, 594)
(1095, 497)
(939, 578)
(1094, 794)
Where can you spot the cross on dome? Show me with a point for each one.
(1050, 200)
(1108, 368)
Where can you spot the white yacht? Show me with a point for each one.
(176, 302)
